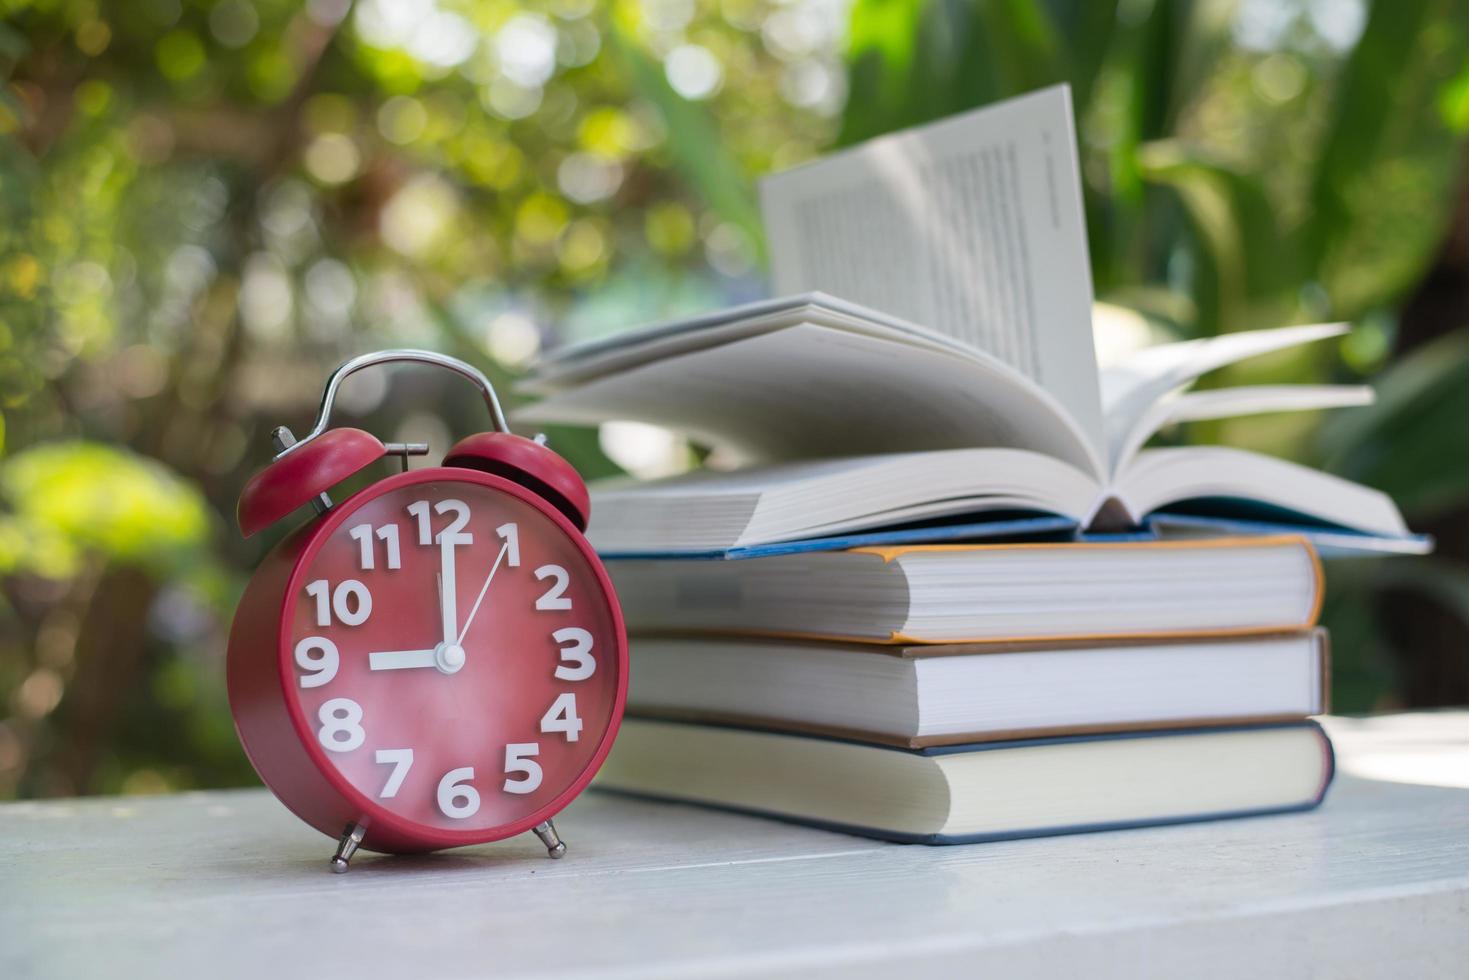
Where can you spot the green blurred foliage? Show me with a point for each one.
(206, 204)
(1248, 164)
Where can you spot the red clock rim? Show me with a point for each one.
(375, 813)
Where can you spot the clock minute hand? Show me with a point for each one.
(448, 590)
(482, 590)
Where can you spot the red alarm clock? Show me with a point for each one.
(437, 660)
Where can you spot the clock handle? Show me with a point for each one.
(352, 366)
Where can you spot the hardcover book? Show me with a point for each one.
(982, 792)
(917, 696)
(979, 593)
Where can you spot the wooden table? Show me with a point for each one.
(225, 884)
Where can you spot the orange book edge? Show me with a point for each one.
(888, 554)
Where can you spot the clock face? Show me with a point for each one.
(455, 656)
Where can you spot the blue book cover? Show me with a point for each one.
(1329, 541)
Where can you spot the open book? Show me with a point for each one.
(972, 226)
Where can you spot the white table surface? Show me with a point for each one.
(225, 884)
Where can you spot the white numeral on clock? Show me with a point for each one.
(341, 717)
(418, 510)
(320, 668)
(561, 717)
(388, 534)
(518, 759)
(401, 760)
(510, 533)
(351, 602)
(577, 648)
(555, 597)
(457, 799)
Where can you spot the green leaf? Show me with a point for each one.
(1156, 65)
(911, 61)
(1085, 30)
(72, 498)
(1444, 583)
(1389, 155)
(1244, 258)
(882, 38)
(1412, 444)
(1028, 51)
(13, 44)
(698, 148)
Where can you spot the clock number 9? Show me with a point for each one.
(320, 668)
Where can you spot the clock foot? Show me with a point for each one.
(555, 848)
(346, 847)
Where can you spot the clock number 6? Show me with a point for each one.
(576, 647)
(458, 799)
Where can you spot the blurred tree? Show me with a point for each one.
(204, 204)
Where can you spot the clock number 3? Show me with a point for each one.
(576, 649)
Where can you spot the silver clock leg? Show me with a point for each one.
(547, 833)
(346, 847)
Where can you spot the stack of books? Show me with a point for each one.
(941, 591)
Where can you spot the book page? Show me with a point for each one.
(1134, 385)
(1254, 485)
(1228, 403)
(972, 226)
(808, 391)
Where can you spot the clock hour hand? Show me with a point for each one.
(401, 659)
(448, 660)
